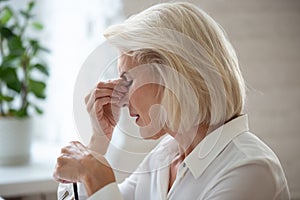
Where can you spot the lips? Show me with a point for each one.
(135, 115)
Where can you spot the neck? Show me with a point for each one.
(187, 142)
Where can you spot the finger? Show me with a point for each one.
(99, 103)
(113, 87)
(65, 174)
(118, 85)
(70, 151)
(109, 84)
(64, 150)
(89, 100)
(87, 97)
(61, 180)
(112, 81)
(92, 100)
(99, 93)
(115, 108)
(78, 145)
(56, 178)
(124, 101)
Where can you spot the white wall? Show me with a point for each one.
(266, 35)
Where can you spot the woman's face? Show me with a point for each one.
(144, 97)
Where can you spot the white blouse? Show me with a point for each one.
(229, 164)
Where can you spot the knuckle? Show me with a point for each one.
(101, 84)
(87, 97)
(89, 156)
(73, 142)
(63, 150)
(60, 160)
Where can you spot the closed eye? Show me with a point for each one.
(128, 80)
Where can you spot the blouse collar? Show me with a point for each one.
(210, 147)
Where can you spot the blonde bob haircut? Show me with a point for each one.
(208, 87)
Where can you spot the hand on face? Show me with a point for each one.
(103, 105)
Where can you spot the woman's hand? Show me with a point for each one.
(78, 163)
(103, 105)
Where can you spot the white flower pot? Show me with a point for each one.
(15, 141)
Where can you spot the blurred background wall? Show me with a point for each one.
(266, 36)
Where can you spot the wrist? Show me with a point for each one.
(94, 181)
(99, 143)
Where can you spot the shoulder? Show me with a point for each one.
(254, 164)
(247, 167)
(252, 149)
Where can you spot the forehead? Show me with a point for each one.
(125, 63)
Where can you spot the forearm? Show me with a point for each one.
(95, 178)
(99, 142)
(92, 185)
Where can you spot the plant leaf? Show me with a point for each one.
(25, 14)
(38, 110)
(5, 98)
(41, 68)
(9, 76)
(37, 25)
(21, 113)
(34, 45)
(30, 5)
(6, 32)
(6, 15)
(37, 88)
(9, 61)
(15, 46)
(44, 49)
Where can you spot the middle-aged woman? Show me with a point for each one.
(180, 78)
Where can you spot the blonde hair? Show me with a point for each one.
(208, 87)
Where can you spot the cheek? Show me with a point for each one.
(139, 100)
(142, 98)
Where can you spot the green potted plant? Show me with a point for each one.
(23, 75)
